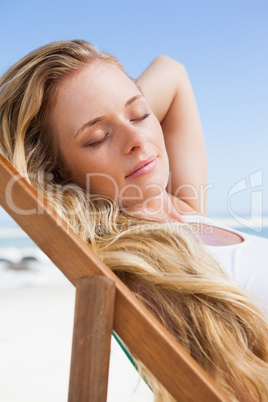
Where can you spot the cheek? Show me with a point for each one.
(94, 171)
(156, 130)
(160, 140)
(102, 183)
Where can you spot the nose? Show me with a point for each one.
(133, 138)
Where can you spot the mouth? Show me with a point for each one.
(143, 167)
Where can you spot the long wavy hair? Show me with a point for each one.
(172, 274)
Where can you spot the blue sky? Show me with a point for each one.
(223, 45)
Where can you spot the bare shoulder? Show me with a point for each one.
(182, 207)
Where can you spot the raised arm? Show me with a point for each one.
(166, 85)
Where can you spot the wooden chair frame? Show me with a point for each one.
(140, 331)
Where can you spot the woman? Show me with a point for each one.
(89, 139)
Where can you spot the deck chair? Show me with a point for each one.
(103, 304)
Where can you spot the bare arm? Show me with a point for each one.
(166, 85)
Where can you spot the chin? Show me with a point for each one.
(143, 196)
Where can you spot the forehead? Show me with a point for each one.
(98, 89)
(99, 81)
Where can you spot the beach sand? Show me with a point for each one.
(36, 324)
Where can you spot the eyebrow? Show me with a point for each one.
(92, 122)
(131, 100)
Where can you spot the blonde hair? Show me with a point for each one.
(174, 276)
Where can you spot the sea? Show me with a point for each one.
(23, 264)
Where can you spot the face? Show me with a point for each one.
(108, 137)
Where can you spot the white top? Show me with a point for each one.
(245, 263)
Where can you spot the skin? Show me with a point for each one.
(113, 143)
(168, 90)
(104, 128)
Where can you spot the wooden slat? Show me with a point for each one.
(93, 326)
(140, 331)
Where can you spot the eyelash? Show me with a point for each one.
(142, 117)
(95, 144)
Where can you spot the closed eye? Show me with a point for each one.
(96, 143)
(143, 117)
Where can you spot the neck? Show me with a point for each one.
(159, 208)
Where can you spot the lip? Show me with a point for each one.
(143, 167)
